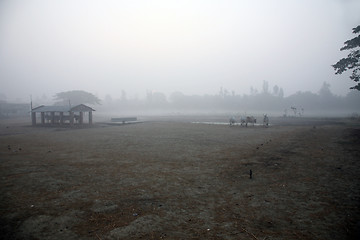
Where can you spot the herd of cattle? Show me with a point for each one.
(244, 121)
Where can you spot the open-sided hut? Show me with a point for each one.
(61, 114)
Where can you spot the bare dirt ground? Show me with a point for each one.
(174, 179)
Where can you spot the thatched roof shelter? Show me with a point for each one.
(61, 114)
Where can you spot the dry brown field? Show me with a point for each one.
(170, 178)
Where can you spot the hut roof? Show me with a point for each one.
(78, 108)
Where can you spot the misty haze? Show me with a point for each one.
(167, 119)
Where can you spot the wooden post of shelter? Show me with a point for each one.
(42, 118)
(52, 117)
(61, 118)
(33, 118)
(81, 118)
(71, 118)
(90, 117)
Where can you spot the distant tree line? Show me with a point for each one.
(8, 110)
(228, 101)
(266, 101)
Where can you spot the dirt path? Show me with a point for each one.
(178, 180)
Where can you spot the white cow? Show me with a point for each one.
(232, 121)
(242, 121)
(250, 119)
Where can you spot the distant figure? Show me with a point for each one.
(250, 174)
(266, 120)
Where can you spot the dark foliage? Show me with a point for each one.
(352, 61)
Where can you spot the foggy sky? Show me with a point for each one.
(191, 46)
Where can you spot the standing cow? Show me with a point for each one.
(232, 121)
(250, 119)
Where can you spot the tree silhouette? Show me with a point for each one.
(276, 90)
(76, 97)
(351, 62)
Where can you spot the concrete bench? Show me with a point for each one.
(124, 119)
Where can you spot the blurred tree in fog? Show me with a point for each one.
(281, 93)
(352, 99)
(159, 98)
(156, 99)
(123, 95)
(276, 90)
(253, 91)
(265, 87)
(325, 91)
(178, 99)
(352, 60)
(2, 97)
(108, 99)
(75, 97)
